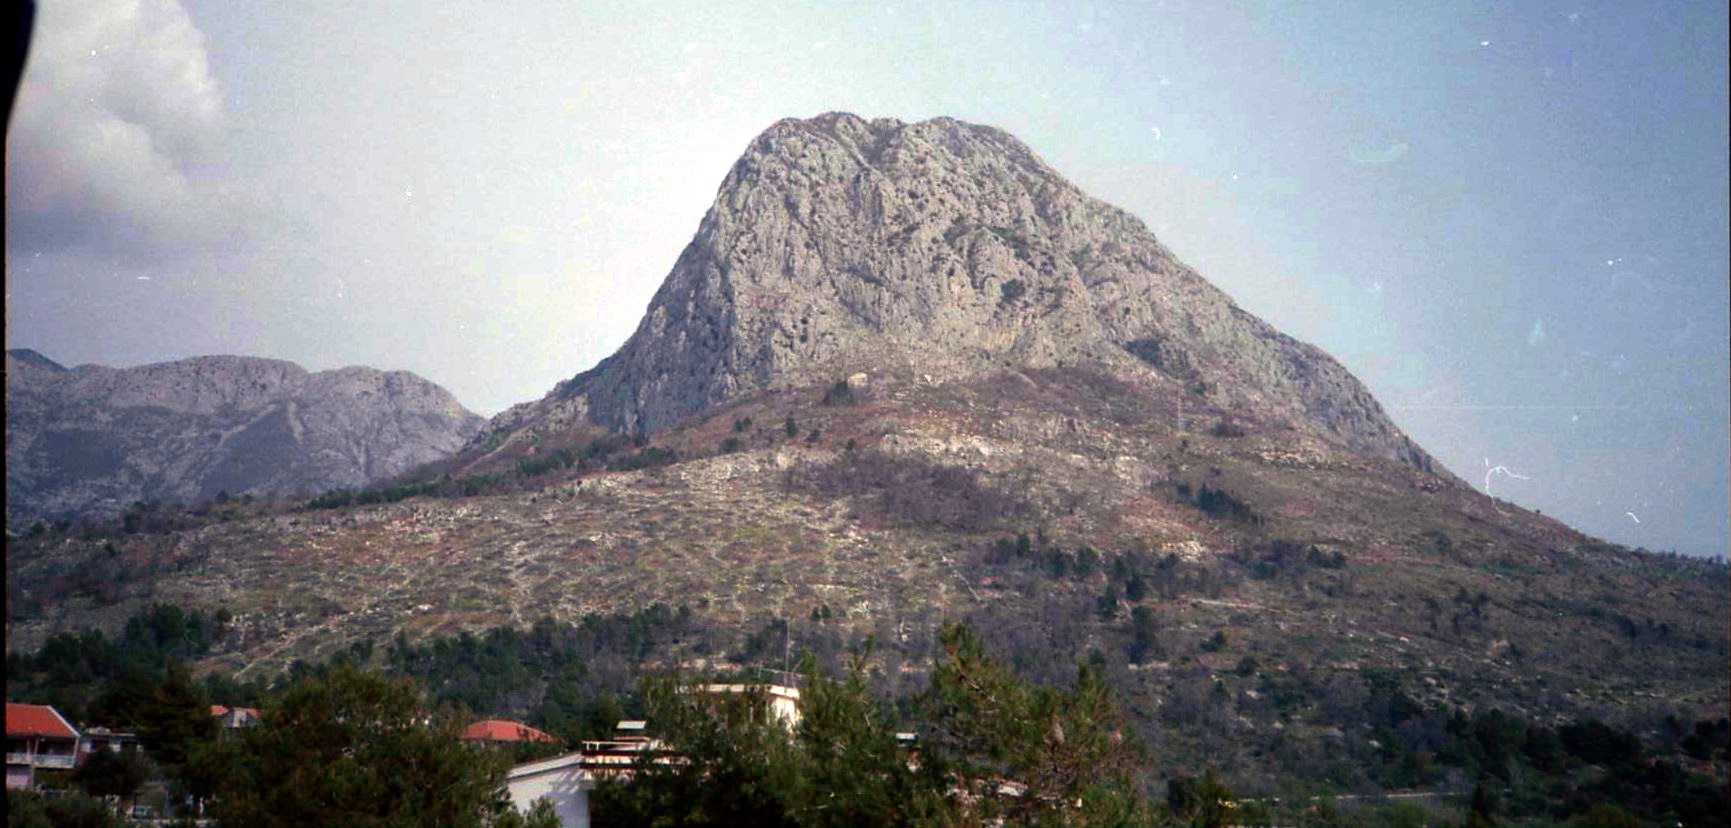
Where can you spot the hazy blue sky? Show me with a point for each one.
(1509, 219)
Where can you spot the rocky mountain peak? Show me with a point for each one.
(938, 249)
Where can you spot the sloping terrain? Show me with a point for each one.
(1295, 550)
(90, 441)
(906, 373)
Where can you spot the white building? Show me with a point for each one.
(562, 780)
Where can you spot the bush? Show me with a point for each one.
(914, 491)
(839, 394)
(75, 810)
(1226, 428)
(1013, 290)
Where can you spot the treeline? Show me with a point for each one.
(78, 672)
(1292, 726)
(572, 680)
(1527, 771)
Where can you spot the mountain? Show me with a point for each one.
(904, 373)
(92, 440)
(940, 250)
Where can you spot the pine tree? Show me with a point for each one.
(1066, 748)
(343, 747)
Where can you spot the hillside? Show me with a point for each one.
(839, 419)
(90, 441)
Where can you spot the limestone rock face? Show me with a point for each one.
(939, 249)
(89, 441)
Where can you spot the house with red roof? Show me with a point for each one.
(37, 736)
(500, 731)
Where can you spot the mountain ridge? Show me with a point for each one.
(89, 441)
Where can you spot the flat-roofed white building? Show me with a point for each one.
(565, 781)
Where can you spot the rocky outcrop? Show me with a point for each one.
(89, 441)
(942, 248)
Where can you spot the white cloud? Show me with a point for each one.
(115, 133)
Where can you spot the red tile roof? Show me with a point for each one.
(37, 720)
(499, 730)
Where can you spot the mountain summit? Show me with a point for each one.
(937, 250)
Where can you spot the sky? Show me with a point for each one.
(1509, 220)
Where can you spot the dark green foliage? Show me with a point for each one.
(650, 457)
(1011, 291)
(791, 427)
(1277, 557)
(1709, 739)
(1227, 428)
(557, 673)
(772, 638)
(914, 491)
(1203, 802)
(1143, 643)
(543, 463)
(73, 670)
(1106, 606)
(730, 445)
(839, 394)
(1067, 746)
(842, 765)
(29, 809)
(540, 815)
(108, 773)
(1597, 744)
(170, 712)
(152, 517)
(576, 681)
(741, 425)
(737, 768)
(1606, 815)
(854, 771)
(599, 453)
(1220, 503)
(1160, 355)
(342, 747)
(1135, 588)
(1087, 560)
